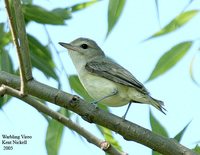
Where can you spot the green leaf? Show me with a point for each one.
(53, 137)
(6, 62)
(197, 149)
(156, 126)
(5, 36)
(41, 15)
(170, 58)
(108, 136)
(65, 112)
(64, 13)
(176, 23)
(4, 99)
(76, 85)
(41, 58)
(84, 5)
(180, 134)
(115, 8)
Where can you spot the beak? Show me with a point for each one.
(69, 46)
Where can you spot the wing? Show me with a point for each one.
(107, 68)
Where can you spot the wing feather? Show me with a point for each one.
(107, 68)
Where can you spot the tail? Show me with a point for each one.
(158, 104)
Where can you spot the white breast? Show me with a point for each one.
(99, 87)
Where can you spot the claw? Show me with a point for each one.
(94, 103)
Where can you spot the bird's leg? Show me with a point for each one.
(129, 105)
(115, 91)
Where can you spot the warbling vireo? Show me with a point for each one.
(104, 79)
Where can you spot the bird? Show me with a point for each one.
(104, 79)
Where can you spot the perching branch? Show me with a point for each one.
(62, 119)
(127, 129)
(20, 41)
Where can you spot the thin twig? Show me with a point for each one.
(57, 52)
(187, 5)
(62, 119)
(20, 42)
(157, 12)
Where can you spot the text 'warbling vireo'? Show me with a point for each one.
(104, 79)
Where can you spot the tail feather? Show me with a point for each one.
(158, 104)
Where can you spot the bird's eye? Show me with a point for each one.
(84, 46)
